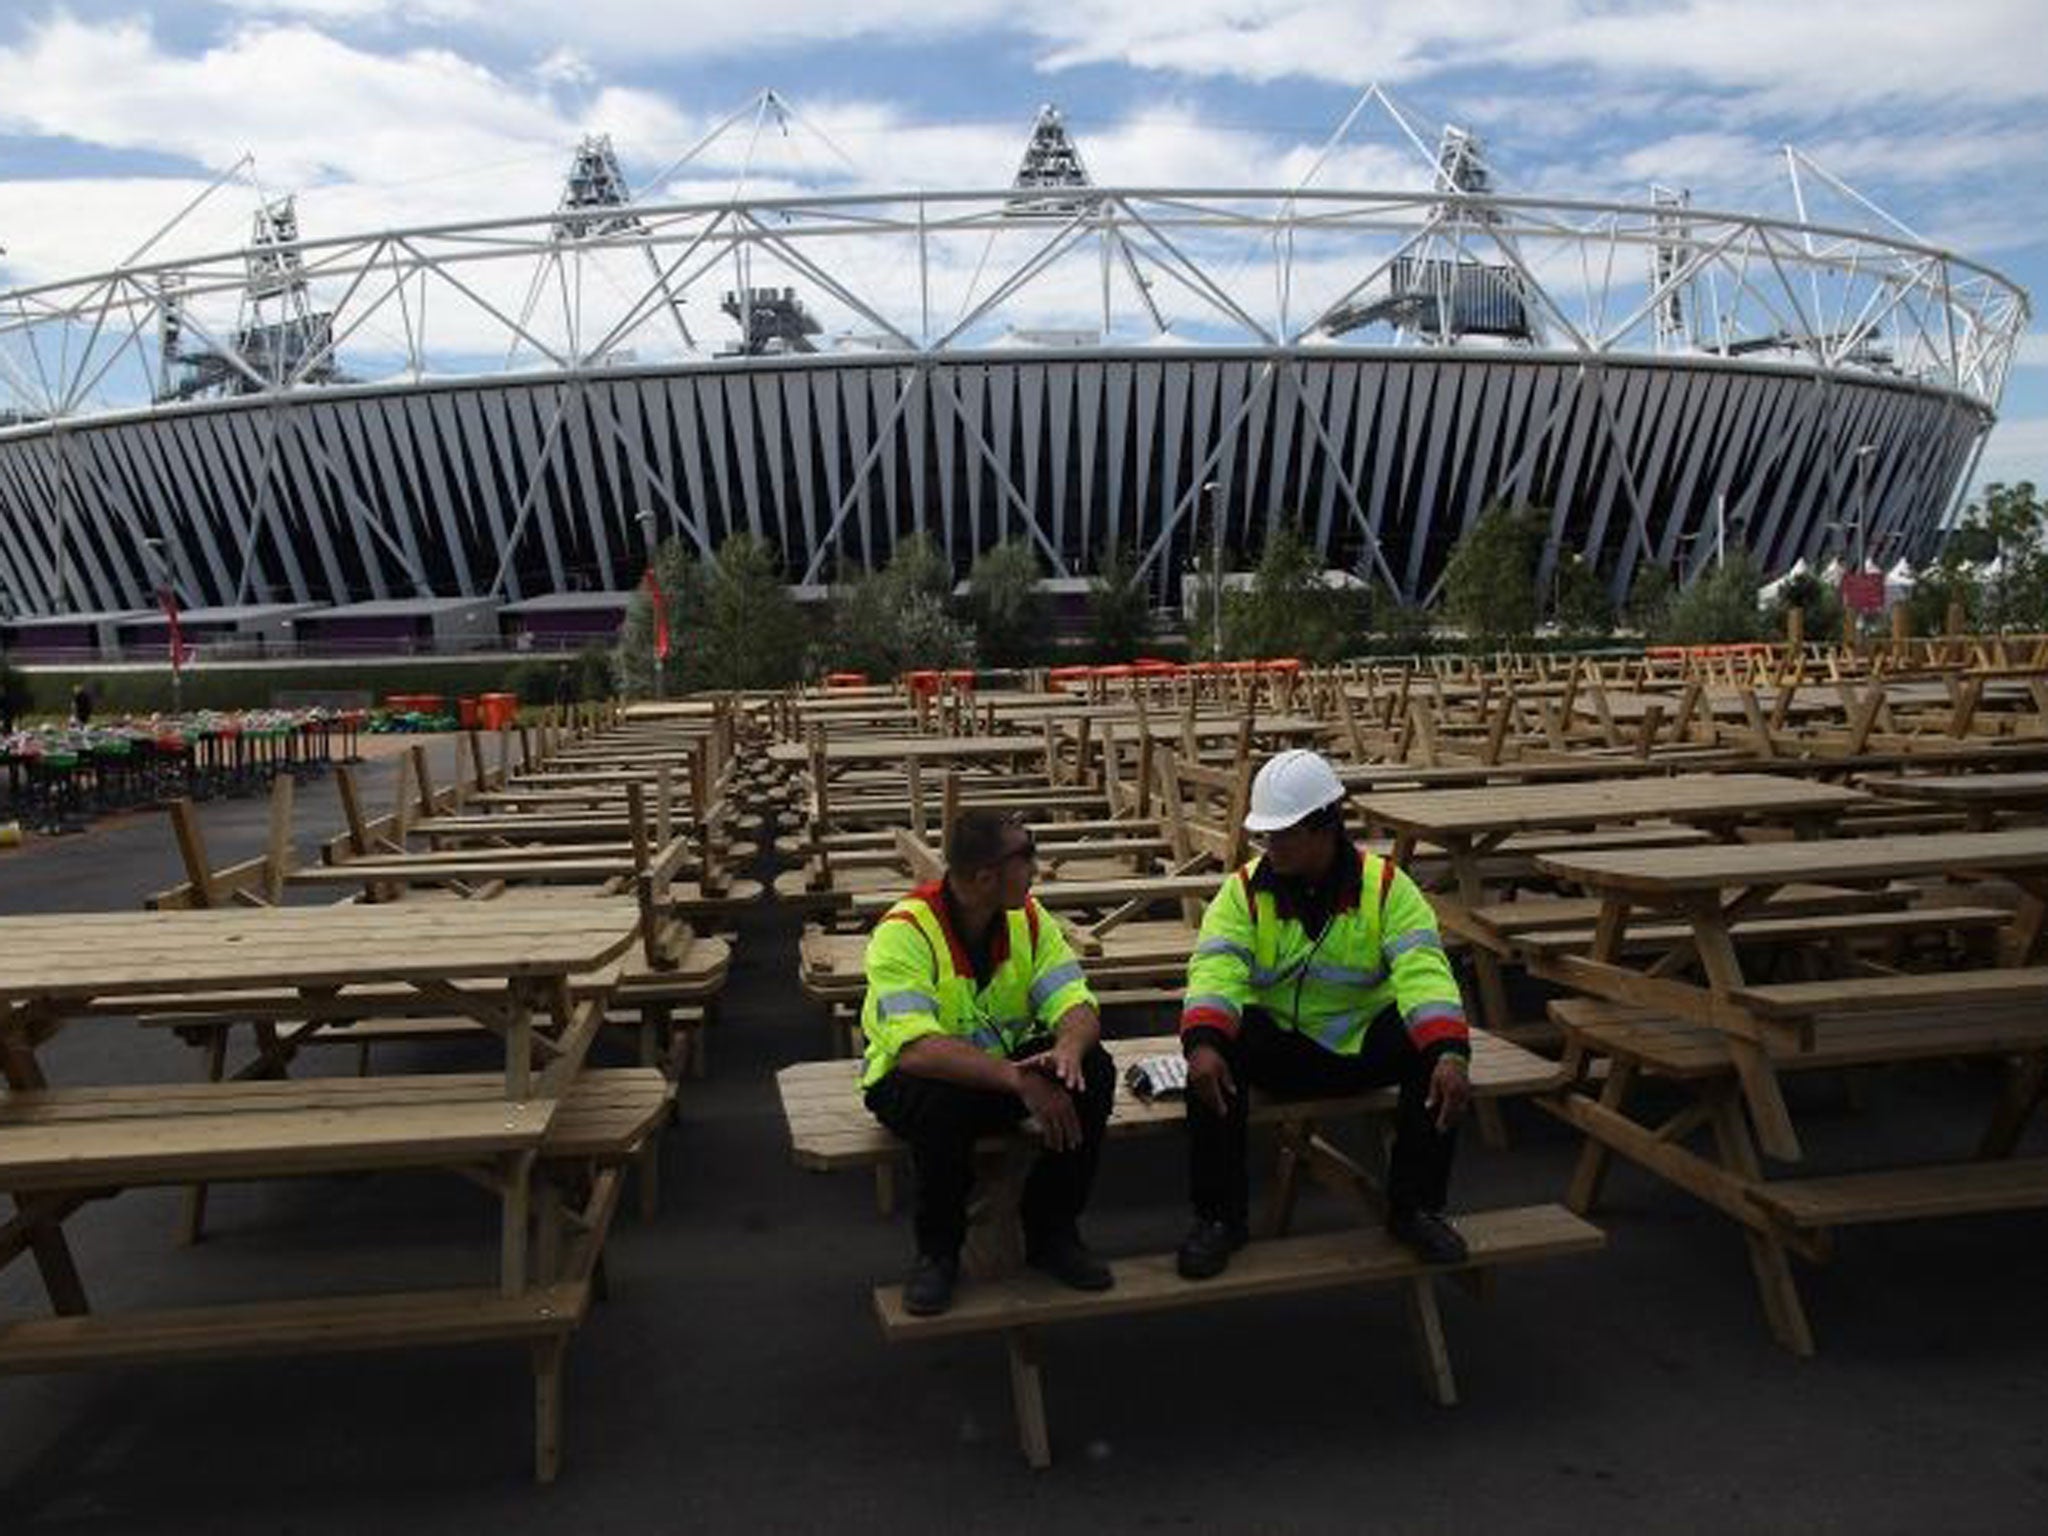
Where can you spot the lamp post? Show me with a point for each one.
(164, 587)
(645, 518)
(1214, 491)
(1862, 501)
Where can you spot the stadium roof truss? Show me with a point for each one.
(914, 284)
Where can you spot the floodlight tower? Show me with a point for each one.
(1050, 169)
(1668, 258)
(595, 198)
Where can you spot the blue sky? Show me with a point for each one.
(378, 113)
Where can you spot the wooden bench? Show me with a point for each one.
(61, 1147)
(1782, 1217)
(830, 1128)
(1017, 1307)
(1807, 928)
(1906, 1194)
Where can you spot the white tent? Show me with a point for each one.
(1899, 582)
(1770, 591)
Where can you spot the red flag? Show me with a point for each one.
(660, 602)
(168, 601)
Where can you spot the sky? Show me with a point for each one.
(117, 114)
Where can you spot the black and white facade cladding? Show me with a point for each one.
(515, 487)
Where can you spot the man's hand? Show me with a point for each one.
(1209, 1079)
(1450, 1090)
(1061, 1061)
(1059, 1121)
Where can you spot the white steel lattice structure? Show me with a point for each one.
(487, 408)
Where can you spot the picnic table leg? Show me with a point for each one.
(1590, 1172)
(1289, 1154)
(1768, 1260)
(46, 1239)
(515, 1173)
(2017, 1100)
(995, 1234)
(547, 1408)
(194, 1226)
(1432, 1355)
(1760, 1087)
(1027, 1395)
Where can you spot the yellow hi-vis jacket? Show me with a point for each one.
(1380, 947)
(921, 982)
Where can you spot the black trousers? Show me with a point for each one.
(1287, 1065)
(942, 1121)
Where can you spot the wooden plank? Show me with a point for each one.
(1283, 1266)
(1908, 1194)
(132, 1151)
(401, 1320)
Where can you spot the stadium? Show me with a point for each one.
(508, 413)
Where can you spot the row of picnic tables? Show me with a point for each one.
(1711, 920)
(534, 974)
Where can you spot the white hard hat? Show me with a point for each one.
(1296, 784)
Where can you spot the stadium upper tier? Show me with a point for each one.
(514, 407)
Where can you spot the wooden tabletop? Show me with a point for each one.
(831, 1128)
(1530, 807)
(1670, 871)
(80, 956)
(895, 749)
(1973, 789)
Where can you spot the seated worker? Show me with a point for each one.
(1319, 971)
(977, 1015)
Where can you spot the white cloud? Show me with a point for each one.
(2017, 450)
(2032, 351)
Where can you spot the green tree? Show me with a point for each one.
(2008, 524)
(1490, 581)
(1012, 619)
(732, 623)
(1819, 605)
(1583, 607)
(1649, 599)
(14, 692)
(1719, 608)
(899, 619)
(1289, 611)
(1119, 608)
(1947, 581)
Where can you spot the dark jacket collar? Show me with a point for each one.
(1314, 903)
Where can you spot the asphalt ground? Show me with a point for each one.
(736, 1380)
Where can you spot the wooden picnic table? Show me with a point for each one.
(58, 967)
(1984, 797)
(1727, 1038)
(876, 751)
(506, 966)
(1473, 825)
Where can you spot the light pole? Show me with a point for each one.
(1862, 501)
(1214, 491)
(645, 518)
(166, 600)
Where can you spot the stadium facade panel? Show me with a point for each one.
(511, 408)
(516, 488)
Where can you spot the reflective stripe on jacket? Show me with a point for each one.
(1378, 951)
(921, 982)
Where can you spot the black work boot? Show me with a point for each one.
(1429, 1235)
(1070, 1261)
(929, 1290)
(1205, 1252)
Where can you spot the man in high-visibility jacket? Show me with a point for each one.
(1319, 971)
(977, 1014)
